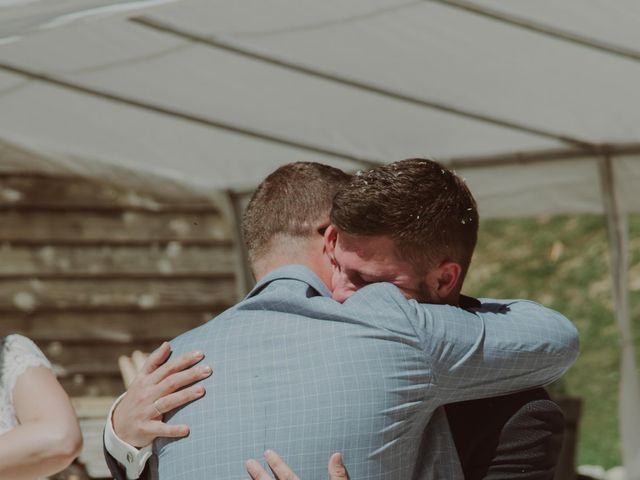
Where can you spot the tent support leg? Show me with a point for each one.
(244, 276)
(629, 402)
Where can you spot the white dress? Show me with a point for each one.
(20, 353)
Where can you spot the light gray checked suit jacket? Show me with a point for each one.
(296, 372)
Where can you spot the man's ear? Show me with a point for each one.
(330, 239)
(445, 280)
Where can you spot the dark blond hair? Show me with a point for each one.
(291, 201)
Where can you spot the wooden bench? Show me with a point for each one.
(92, 413)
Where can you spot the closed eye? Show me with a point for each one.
(355, 279)
(359, 280)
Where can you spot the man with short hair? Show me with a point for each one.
(412, 223)
(307, 376)
(287, 216)
(380, 225)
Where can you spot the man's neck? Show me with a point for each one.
(264, 267)
(267, 265)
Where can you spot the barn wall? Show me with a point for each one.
(90, 272)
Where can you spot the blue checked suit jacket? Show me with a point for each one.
(296, 372)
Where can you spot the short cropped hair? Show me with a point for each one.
(291, 201)
(425, 207)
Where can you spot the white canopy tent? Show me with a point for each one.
(534, 103)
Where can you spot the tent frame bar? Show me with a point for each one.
(546, 30)
(540, 156)
(610, 150)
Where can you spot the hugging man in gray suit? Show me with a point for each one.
(303, 374)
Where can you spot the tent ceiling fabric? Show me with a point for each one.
(22, 17)
(233, 95)
(534, 103)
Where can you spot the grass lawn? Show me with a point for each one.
(563, 262)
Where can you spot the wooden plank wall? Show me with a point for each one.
(90, 272)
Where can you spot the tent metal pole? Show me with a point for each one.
(629, 401)
(244, 276)
(542, 29)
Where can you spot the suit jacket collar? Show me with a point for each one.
(469, 303)
(292, 272)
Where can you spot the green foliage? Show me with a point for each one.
(563, 262)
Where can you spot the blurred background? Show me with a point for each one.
(132, 134)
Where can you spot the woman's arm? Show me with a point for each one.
(48, 437)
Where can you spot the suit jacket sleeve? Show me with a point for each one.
(117, 471)
(502, 347)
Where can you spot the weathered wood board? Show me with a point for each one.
(159, 259)
(91, 271)
(114, 292)
(55, 225)
(95, 325)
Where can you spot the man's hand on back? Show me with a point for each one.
(155, 390)
(282, 471)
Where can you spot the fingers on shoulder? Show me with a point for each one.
(281, 469)
(255, 470)
(157, 358)
(179, 364)
(161, 429)
(337, 470)
(180, 398)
